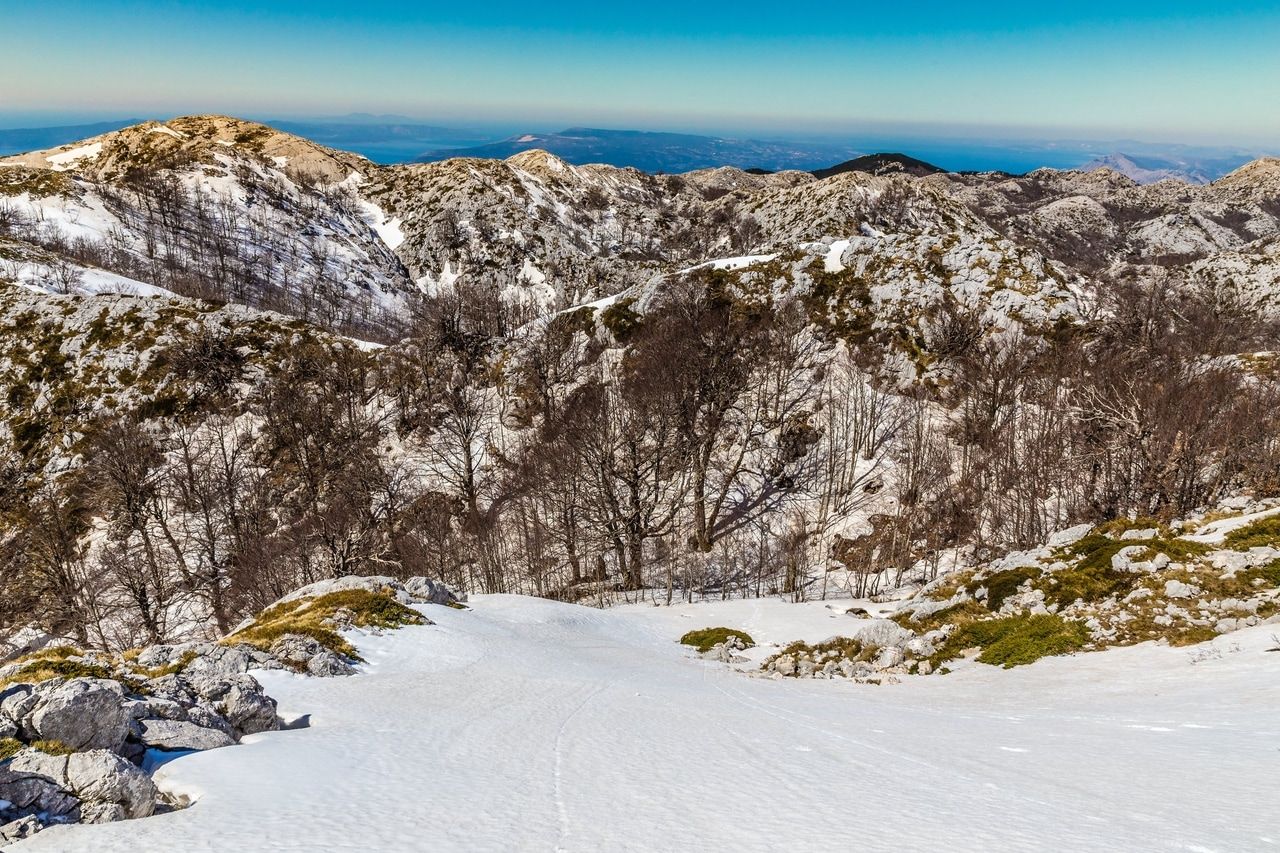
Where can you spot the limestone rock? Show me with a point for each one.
(181, 735)
(84, 713)
(882, 633)
(307, 654)
(17, 830)
(1070, 536)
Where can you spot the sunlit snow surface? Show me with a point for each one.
(524, 724)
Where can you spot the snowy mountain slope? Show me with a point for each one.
(526, 724)
(552, 234)
(1108, 227)
(213, 207)
(71, 359)
(277, 221)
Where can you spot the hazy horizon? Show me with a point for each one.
(1162, 72)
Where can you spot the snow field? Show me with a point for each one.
(524, 724)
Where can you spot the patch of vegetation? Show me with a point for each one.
(1001, 585)
(957, 614)
(829, 651)
(172, 669)
(1261, 533)
(53, 747)
(1116, 526)
(54, 663)
(9, 747)
(315, 618)
(40, 183)
(621, 319)
(704, 638)
(1015, 640)
(1190, 635)
(1092, 579)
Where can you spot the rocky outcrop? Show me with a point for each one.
(83, 713)
(85, 736)
(97, 786)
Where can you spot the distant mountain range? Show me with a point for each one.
(658, 152)
(390, 139)
(1147, 169)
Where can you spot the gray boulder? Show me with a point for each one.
(882, 633)
(156, 708)
(23, 827)
(241, 701)
(429, 591)
(104, 779)
(1123, 560)
(175, 688)
(307, 654)
(1070, 536)
(179, 735)
(155, 657)
(203, 715)
(219, 661)
(889, 656)
(84, 713)
(16, 702)
(106, 786)
(29, 792)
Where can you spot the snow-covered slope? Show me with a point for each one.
(530, 725)
(206, 206)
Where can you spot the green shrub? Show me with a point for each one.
(1264, 531)
(1269, 573)
(1001, 585)
(1015, 640)
(1091, 578)
(621, 319)
(704, 638)
(1116, 526)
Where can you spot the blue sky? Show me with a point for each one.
(1195, 72)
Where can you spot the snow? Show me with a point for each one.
(1215, 532)
(66, 159)
(165, 130)
(832, 263)
(367, 346)
(525, 724)
(738, 263)
(92, 281)
(530, 273)
(387, 228)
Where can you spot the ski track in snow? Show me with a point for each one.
(524, 724)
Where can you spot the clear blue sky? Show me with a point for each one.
(1205, 71)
